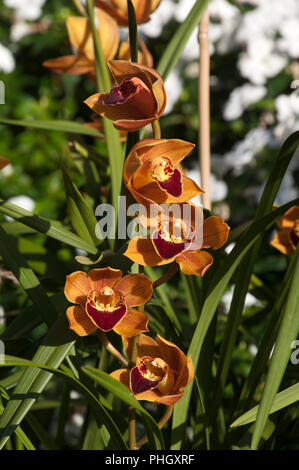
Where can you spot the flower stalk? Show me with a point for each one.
(110, 348)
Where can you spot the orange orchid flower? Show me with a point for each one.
(137, 99)
(119, 9)
(286, 239)
(181, 239)
(104, 299)
(3, 162)
(162, 371)
(80, 37)
(152, 172)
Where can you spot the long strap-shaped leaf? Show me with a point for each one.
(48, 227)
(287, 334)
(81, 214)
(250, 237)
(282, 399)
(180, 38)
(54, 348)
(26, 277)
(221, 280)
(246, 267)
(102, 417)
(55, 125)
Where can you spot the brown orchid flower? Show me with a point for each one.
(80, 37)
(286, 239)
(105, 299)
(152, 172)
(138, 98)
(119, 9)
(180, 238)
(162, 371)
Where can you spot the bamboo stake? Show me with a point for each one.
(204, 109)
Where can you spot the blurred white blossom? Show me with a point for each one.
(23, 201)
(7, 61)
(287, 107)
(244, 151)
(240, 98)
(218, 187)
(173, 87)
(26, 9)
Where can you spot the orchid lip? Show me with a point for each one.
(121, 93)
(105, 315)
(168, 177)
(169, 244)
(145, 376)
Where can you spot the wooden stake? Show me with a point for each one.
(204, 109)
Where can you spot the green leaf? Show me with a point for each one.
(214, 294)
(19, 432)
(54, 348)
(122, 392)
(175, 47)
(55, 125)
(246, 267)
(132, 32)
(50, 228)
(282, 399)
(101, 415)
(26, 277)
(288, 332)
(81, 215)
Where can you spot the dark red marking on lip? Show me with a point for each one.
(104, 319)
(119, 94)
(138, 382)
(173, 185)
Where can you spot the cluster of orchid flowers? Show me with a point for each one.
(105, 299)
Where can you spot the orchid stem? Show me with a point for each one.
(132, 414)
(156, 129)
(109, 346)
(80, 7)
(132, 428)
(165, 418)
(166, 276)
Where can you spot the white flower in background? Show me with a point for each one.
(240, 98)
(288, 43)
(158, 19)
(259, 68)
(173, 87)
(26, 9)
(218, 188)
(19, 29)
(7, 61)
(22, 201)
(250, 300)
(244, 151)
(268, 32)
(287, 114)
